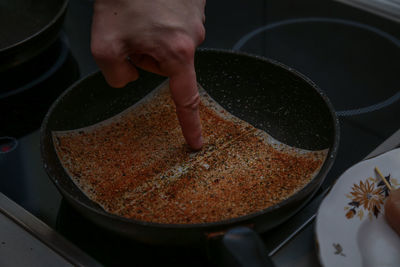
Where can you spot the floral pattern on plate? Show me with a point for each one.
(368, 197)
(350, 228)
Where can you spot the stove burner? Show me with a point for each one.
(371, 108)
(7, 144)
(311, 52)
(62, 51)
(28, 90)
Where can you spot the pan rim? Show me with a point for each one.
(50, 24)
(301, 193)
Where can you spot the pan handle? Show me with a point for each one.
(241, 246)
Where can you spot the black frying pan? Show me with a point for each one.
(262, 92)
(28, 27)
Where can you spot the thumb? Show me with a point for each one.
(392, 210)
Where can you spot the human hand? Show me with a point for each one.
(392, 210)
(158, 36)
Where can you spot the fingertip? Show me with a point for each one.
(114, 83)
(189, 120)
(197, 143)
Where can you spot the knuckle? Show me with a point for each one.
(190, 104)
(183, 48)
(98, 49)
(201, 34)
(105, 50)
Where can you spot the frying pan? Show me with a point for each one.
(263, 92)
(27, 28)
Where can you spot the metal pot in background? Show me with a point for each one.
(28, 28)
(36, 65)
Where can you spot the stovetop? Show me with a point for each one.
(352, 55)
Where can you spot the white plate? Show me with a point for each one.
(351, 229)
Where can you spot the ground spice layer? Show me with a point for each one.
(137, 165)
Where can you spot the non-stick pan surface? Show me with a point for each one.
(27, 28)
(262, 92)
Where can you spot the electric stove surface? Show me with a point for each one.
(353, 56)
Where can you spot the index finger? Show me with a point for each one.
(183, 86)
